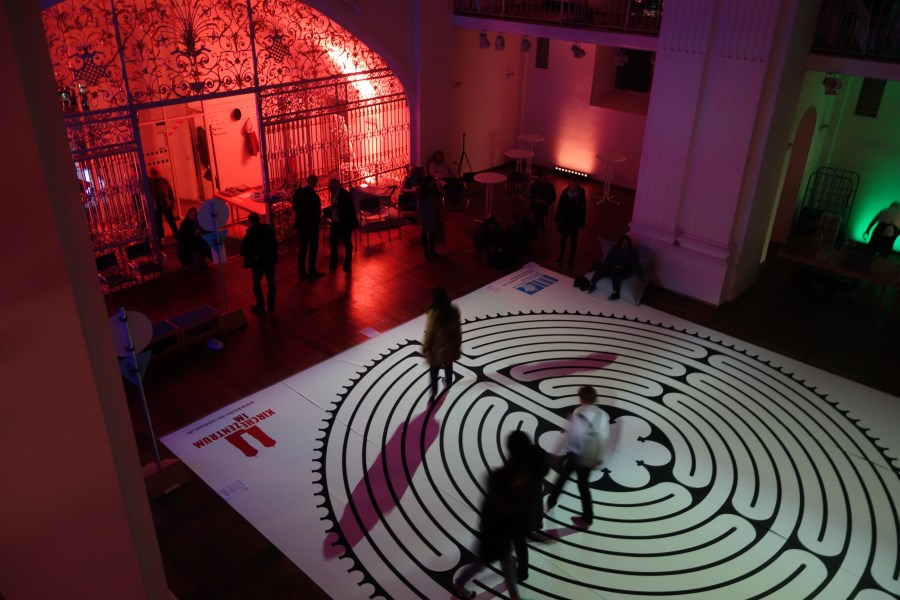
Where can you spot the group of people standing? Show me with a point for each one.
(308, 212)
(260, 244)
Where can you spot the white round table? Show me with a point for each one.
(521, 156)
(489, 179)
(531, 139)
(610, 158)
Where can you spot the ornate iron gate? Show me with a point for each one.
(108, 167)
(327, 103)
(333, 128)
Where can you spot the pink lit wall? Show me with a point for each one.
(74, 518)
(557, 105)
(486, 98)
(499, 94)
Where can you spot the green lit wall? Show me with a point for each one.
(870, 147)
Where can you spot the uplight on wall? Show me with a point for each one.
(570, 172)
(526, 44)
(500, 42)
(577, 50)
(483, 42)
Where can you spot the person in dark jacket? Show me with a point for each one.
(429, 215)
(621, 262)
(307, 215)
(541, 197)
(163, 199)
(535, 461)
(571, 211)
(343, 221)
(512, 491)
(442, 344)
(192, 249)
(260, 251)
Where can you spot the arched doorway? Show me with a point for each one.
(223, 98)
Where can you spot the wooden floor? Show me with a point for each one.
(210, 552)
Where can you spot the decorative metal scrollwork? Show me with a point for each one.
(329, 103)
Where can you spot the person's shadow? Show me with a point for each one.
(386, 481)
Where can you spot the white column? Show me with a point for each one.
(74, 515)
(716, 77)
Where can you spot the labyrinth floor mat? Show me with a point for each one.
(731, 472)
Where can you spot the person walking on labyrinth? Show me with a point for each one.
(585, 444)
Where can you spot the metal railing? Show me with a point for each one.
(859, 28)
(632, 16)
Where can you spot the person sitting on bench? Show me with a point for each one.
(619, 264)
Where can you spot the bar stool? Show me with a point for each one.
(610, 158)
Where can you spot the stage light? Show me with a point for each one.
(500, 42)
(483, 41)
(526, 44)
(571, 172)
(578, 51)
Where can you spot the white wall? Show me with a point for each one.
(485, 99)
(499, 94)
(871, 147)
(557, 105)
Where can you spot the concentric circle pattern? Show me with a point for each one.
(726, 477)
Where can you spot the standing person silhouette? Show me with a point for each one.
(260, 251)
(163, 199)
(571, 211)
(541, 197)
(442, 344)
(343, 222)
(429, 215)
(307, 216)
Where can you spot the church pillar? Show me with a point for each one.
(717, 75)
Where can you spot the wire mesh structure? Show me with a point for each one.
(327, 103)
(827, 203)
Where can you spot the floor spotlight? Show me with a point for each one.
(483, 41)
(526, 44)
(499, 42)
(578, 51)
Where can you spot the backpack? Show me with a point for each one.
(592, 445)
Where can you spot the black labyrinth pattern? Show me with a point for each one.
(726, 477)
